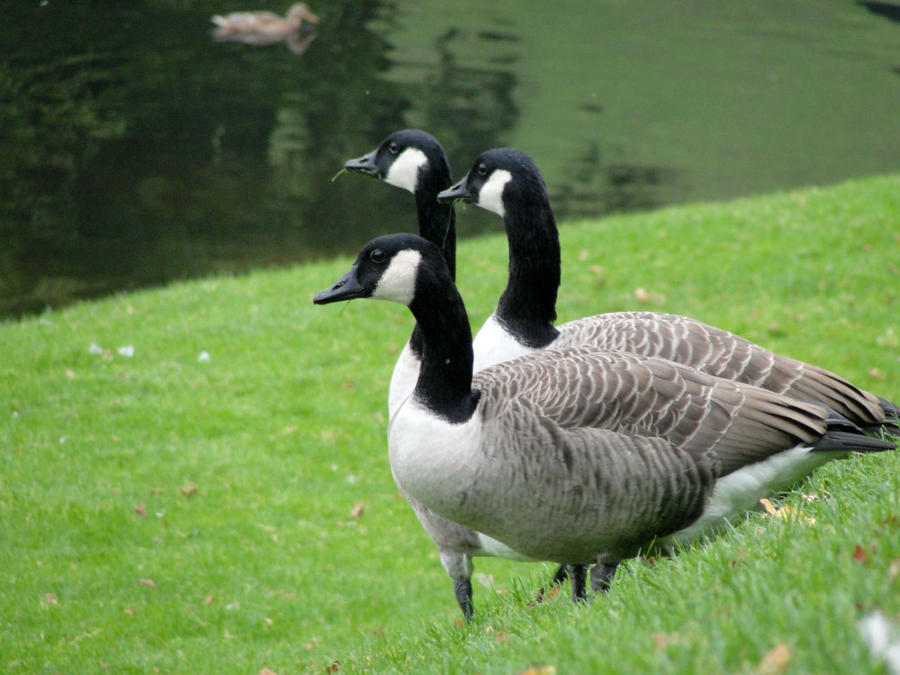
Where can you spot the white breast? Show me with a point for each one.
(432, 460)
(403, 379)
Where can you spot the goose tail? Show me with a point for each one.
(891, 421)
(842, 435)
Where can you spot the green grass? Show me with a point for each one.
(162, 512)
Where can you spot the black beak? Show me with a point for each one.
(364, 165)
(346, 288)
(459, 191)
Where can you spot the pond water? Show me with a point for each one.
(136, 149)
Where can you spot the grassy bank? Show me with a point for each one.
(217, 498)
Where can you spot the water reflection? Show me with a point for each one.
(596, 184)
(135, 149)
(888, 10)
(137, 152)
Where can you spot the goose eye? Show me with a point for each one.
(482, 170)
(393, 148)
(376, 255)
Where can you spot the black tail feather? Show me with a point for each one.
(849, 441)
(842, 435)
(891, 421)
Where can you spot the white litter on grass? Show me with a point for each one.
(883, 639)
(203, 357)
(95, 349)
(486, 580)
(127, 351)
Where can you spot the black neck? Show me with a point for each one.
(437, 224)
(527, 307)
(445, 377)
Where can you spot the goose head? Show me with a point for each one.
(498, 178)
(405, 159)
(387, 268)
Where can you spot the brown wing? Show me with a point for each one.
(730, 423)
(723, 354)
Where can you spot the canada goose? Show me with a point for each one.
(579, 454)
(414, 160)
(507, 182)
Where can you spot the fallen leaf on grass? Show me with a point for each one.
(502, 636)
(50, 599)
(538, 669)
(334, 667)
(894, 569)
(775, 661)
(860, 554)
(544, 595)
(769, 507)
(209, 599)
(146, 582)
(785, 512)
(266, 671)
(642, 296)
(281, 593)
(357, 511)
(663, 640)
(188, 490)
(140, 509)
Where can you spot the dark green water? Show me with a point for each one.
(134, 149)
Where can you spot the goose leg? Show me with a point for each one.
(562, 573)
(578, 574)
(602, 575)
(463, 592)
(458, 567)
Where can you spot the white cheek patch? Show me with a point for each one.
(490, 196)
(404, 172)
(398, 283)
